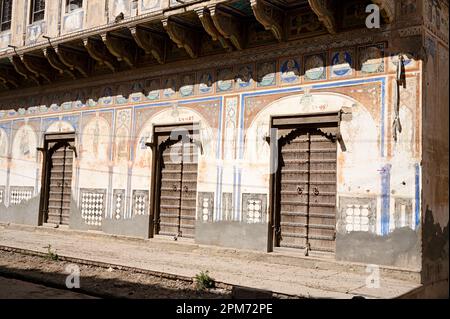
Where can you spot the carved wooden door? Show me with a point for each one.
(178, 162)
(306, 190)
(59, 179)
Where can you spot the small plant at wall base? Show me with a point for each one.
(204, 281)
(50, 254)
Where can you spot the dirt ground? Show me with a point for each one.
(19, 289)
(94, 281)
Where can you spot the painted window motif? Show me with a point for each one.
(5, 14)
(72, 5)
(37, 10)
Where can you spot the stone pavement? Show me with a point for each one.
(279, 272)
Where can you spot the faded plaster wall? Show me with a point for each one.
(435, 161)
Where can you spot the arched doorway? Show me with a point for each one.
(57, 178)
(304, 189)
(175, 181)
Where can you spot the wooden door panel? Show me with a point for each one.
(306, 190)
(60, 180)
(177, 201)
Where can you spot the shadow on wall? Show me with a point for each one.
(435, 249)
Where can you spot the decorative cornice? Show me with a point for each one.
(304, 46)
(324, 14)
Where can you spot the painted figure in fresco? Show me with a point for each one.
(153, 88)
(371, 60)
(187, 87)
(315, 67)
(3, 147)
(290, 71)
(245, 76)
(225, 79)
(24, 143)
(95, 138)
(120, 6)
(170, 87)
(150, 4)
(122, 144)
(266, 73)
(341, 63)
(205, 82)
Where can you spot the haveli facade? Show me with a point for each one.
(297, 127)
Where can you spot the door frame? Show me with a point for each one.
(45, 175)
(158, 130)
(312, 120)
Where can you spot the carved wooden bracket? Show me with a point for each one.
(55, 62)
(205, 18)
(9, 77)
(38, 66)
(270, 16)
(74, 60)
(122, 49)
(98, 51)
(229, 26)
(322, 9)
(151, 42)
(387, 9)
(183, 36)
(20, 68)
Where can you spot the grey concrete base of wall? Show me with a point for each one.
(26, 213)
(401, 248)
(76, 221)
(232, 234)
(136, 227)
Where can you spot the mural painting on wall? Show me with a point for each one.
(341, 63)
(290, 71)
(245, 76)
(267, 73)
(136, 92)
(187, 85)
(315, 67)
(206, 82)
(409, 61)
(300, 23)
(152, 87)
(121, 6)
(170, 87)
(3, 144)
(225, 79)
(151, 4)
(354, 13)
(371, 59)
(143, 158)
(96, 137)
(122, 135)
(107, 98)
(24, 146)
(230, 128)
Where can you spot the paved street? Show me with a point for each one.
(293, 275)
